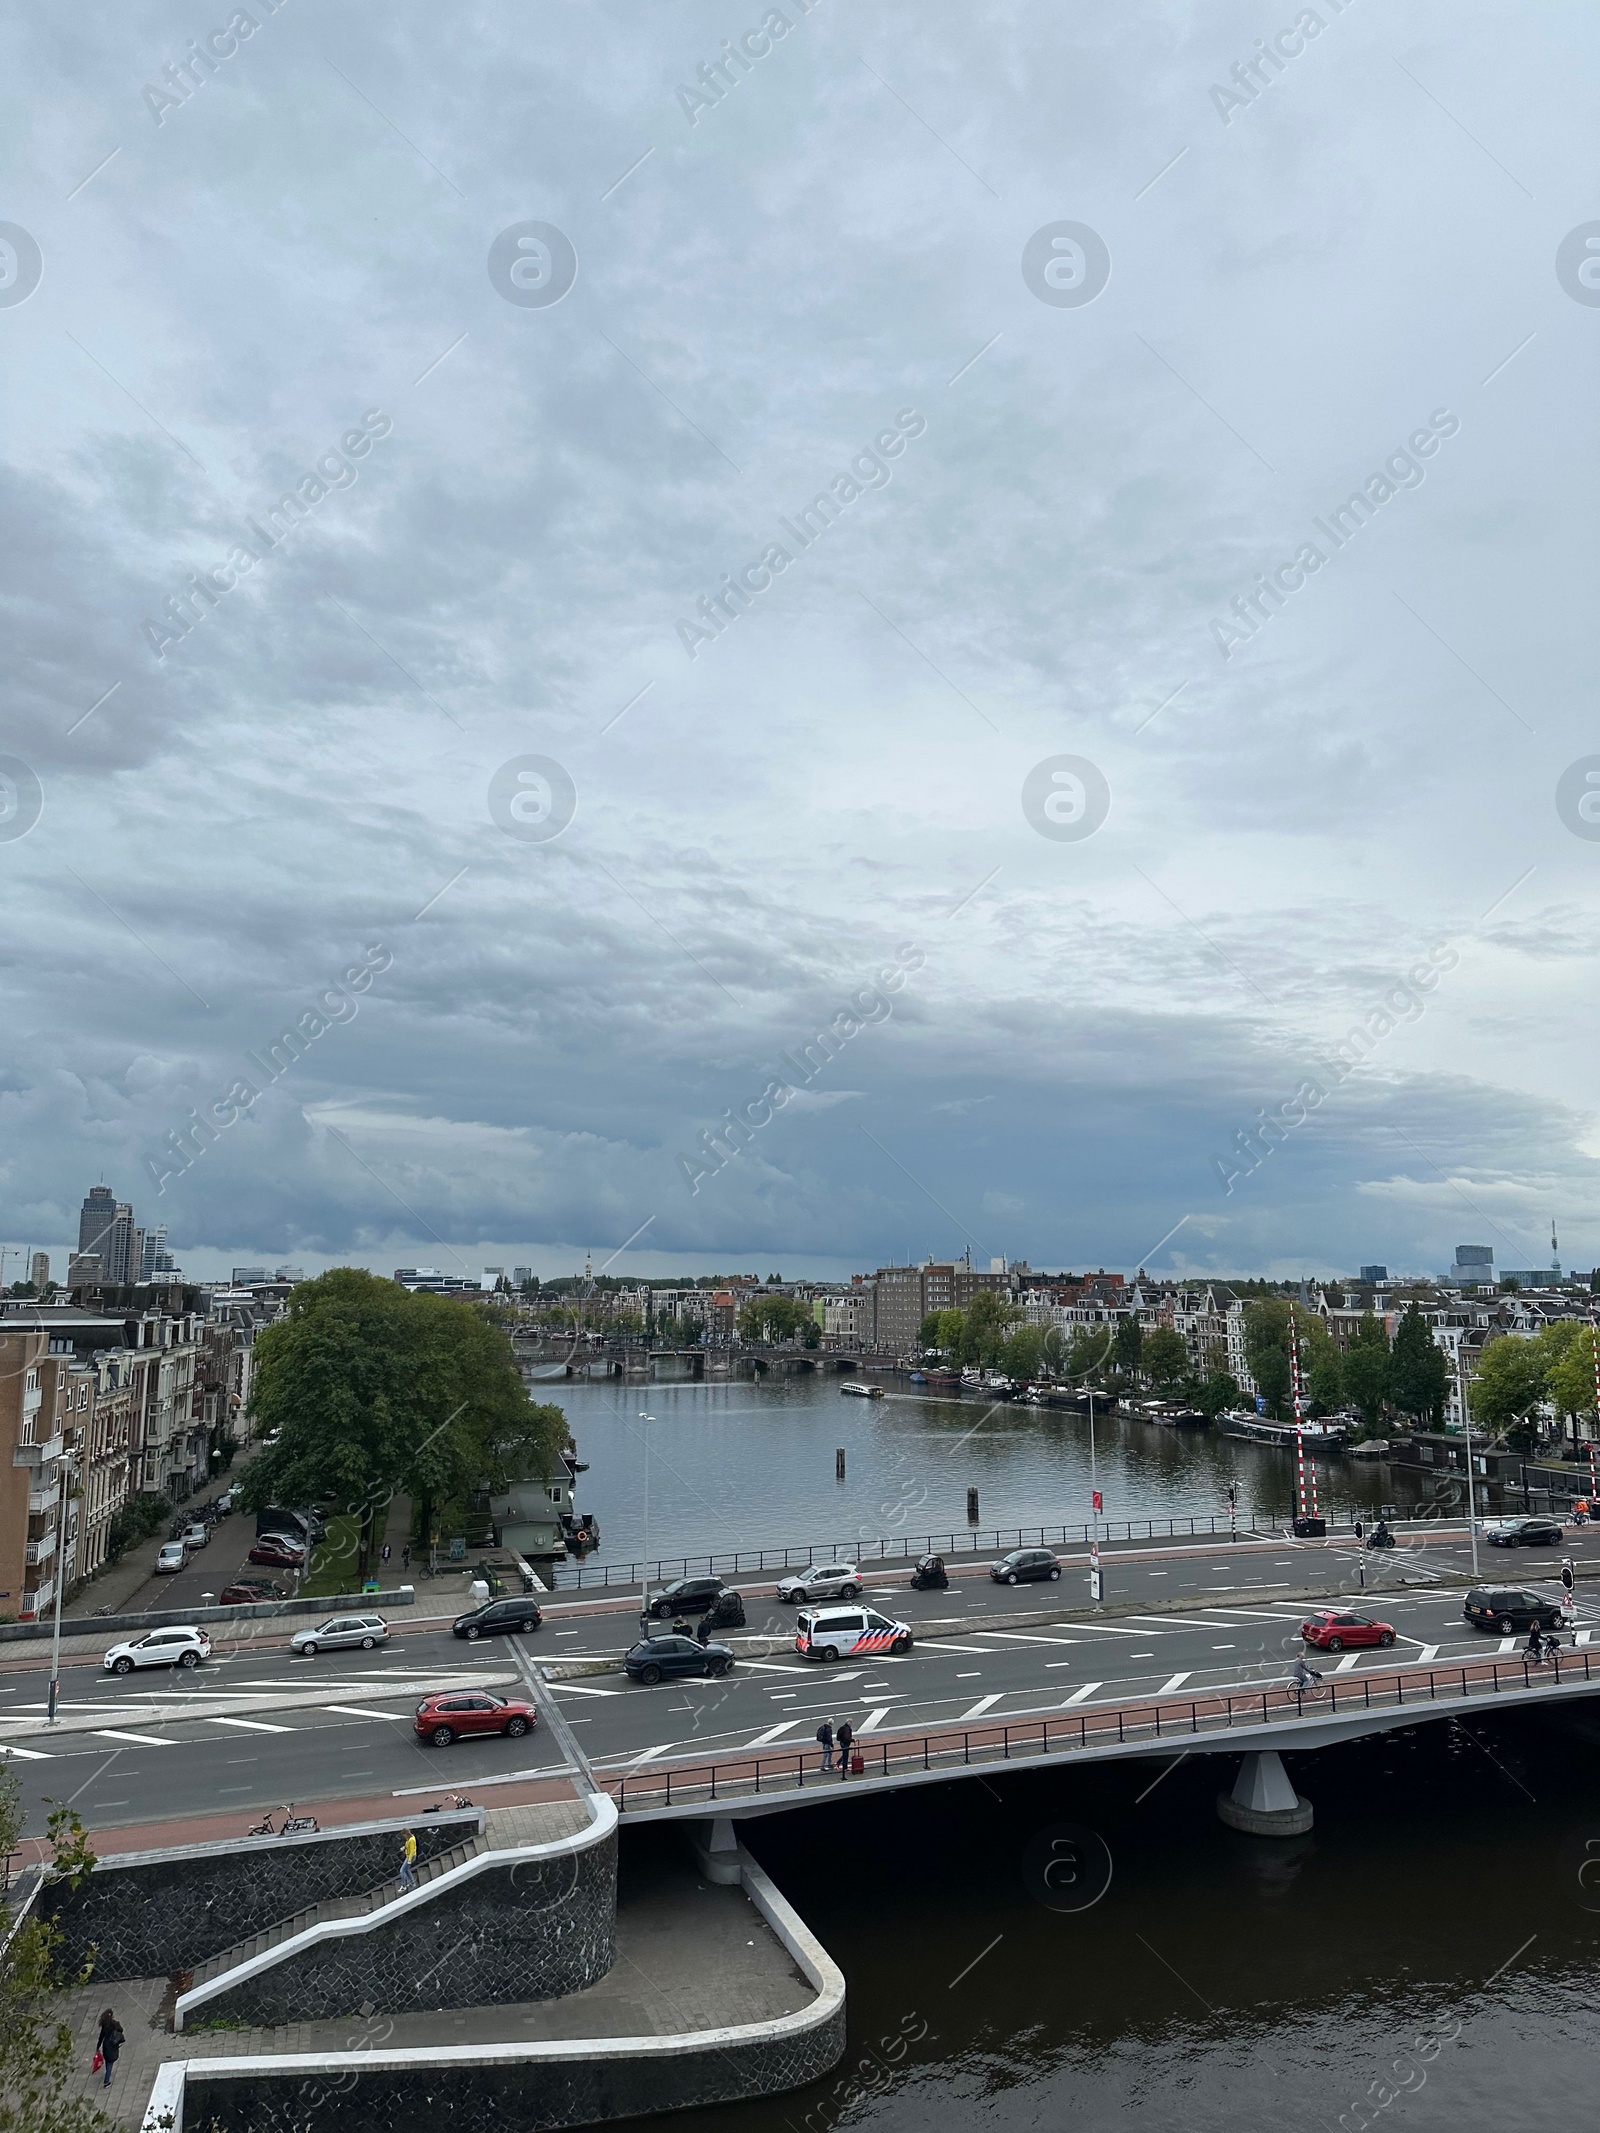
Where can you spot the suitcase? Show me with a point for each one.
(858, 1763)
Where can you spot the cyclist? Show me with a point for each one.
(1303, 1677)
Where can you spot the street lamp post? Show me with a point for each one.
(61, 1579)
(644, 1571)
(1466, 1424)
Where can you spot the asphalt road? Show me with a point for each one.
(256, 1726)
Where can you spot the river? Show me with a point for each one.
(749, 1464)
(1435, 1939)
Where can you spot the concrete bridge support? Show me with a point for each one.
(1263, 1803)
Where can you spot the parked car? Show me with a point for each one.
(278, 1550)
(498, 1615)
(1508, 1608)
(196, 1535)
(159, 1647)
(654, 1659)
(170, 1556)
(458, 1712)
(725, 1612)
(339, 1633)
(686, 1596)
(1329, 1631)
(1523, 1533)
(1023, 1565)
(247, 1592)
(930, 1575)
(822, 1581)
(849, 1633)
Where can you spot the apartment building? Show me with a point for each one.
(906, 1294)
(848, 1319)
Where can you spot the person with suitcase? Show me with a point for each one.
(844, 1734)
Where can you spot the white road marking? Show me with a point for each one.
(649, 1754)
(28, 1755)
(1182, 1622)
(873, 1719)
(1177, 1681)
(1106, 1629)
(1507, 1644)
(771, 1734)
(983, 1704)
(1030, 1636)
(1428, 1651)
(573, 1688)
(1347, 1663)
(931, 1644)
(351, 1710)
(976, 1675)
(1583, 1636)
(1082, 1695)
(1224, 1647)
(249, 1725)
(139, 1740)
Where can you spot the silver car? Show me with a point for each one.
(822, 1581)
(340, 1631)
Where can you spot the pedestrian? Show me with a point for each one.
(845, 1735)
(107, 2045)
(408, 1862)
(386, 1554)
(405, 1556)
(825, 1742)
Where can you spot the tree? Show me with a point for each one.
(1216, 1393)
(1023, 1353)
(928, 1331)
(38, 2059)
(1420, 1374)
(774, 1318)
(1055, 1350)
(1129, 1344)
(1321, 1366)
(374, 1392)
(1088, 1353)
(1512, 1380)
(1165, 1356)
(1367, 1370)
(1266, 1349)
(1572, 1378)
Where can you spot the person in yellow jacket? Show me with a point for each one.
(408, 1862)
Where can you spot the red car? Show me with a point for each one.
(277, 1549)
(447, 1717)
(1330, 1631)
(249, 1592)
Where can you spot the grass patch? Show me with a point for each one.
(331, 1573)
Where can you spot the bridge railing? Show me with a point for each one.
(889, 1548)
(1058, 1733)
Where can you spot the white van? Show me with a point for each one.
(850, 1633)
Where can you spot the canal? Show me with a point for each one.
(1427, 1957)
(748, 1464)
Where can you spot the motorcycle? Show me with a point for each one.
(1380, 1537)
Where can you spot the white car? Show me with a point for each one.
(172, 1555)
(161, 1647)
(339, 1631)
(195, 1536)
(822, 1581)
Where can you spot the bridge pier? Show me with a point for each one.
(716, 1849)
(1263, 1803)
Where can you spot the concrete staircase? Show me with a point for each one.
(338, 1907)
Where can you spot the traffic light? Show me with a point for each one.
(1361, 1532)
(1566, 1574)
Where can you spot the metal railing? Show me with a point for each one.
(1159, 1719)
(892, 1549)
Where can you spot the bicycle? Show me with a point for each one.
(293, 1825)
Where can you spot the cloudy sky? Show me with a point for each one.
(1085, 333)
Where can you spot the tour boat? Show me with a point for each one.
(862, 1392)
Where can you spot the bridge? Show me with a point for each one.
(578, 1358)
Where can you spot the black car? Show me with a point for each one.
(1023, 1565)
(498, 1615)
(1523, 1533)
(1508, 1608)
(655, 1659)
(725, 1612)
(930, 1575)
(687, 1596)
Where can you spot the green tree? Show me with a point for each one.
(1266, 1350)
(1023, 1354)
(1321, 1366)
(1572, 1376)
(1166, 1359)
(985, 1322)
(375, 1392)
(1088, 1353)
(928, 1331)
(1512, 1382)
(1367, 1370)
(1421, 1375)
(1216, 1393)
(38, 2059)
(1055, 1350)
(1129, 1344)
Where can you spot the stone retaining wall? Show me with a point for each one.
(148, 1914)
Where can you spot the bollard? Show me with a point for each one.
(838, 1464)
(972, 1507)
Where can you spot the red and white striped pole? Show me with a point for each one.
(1594, 1352)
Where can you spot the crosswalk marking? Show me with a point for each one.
(1176, 1682)
(139, 1740)
(1082, 1695)
(249, 1725)
(984, 1703)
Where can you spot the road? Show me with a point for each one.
(257, 1726)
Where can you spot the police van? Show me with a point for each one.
(849, 1633)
